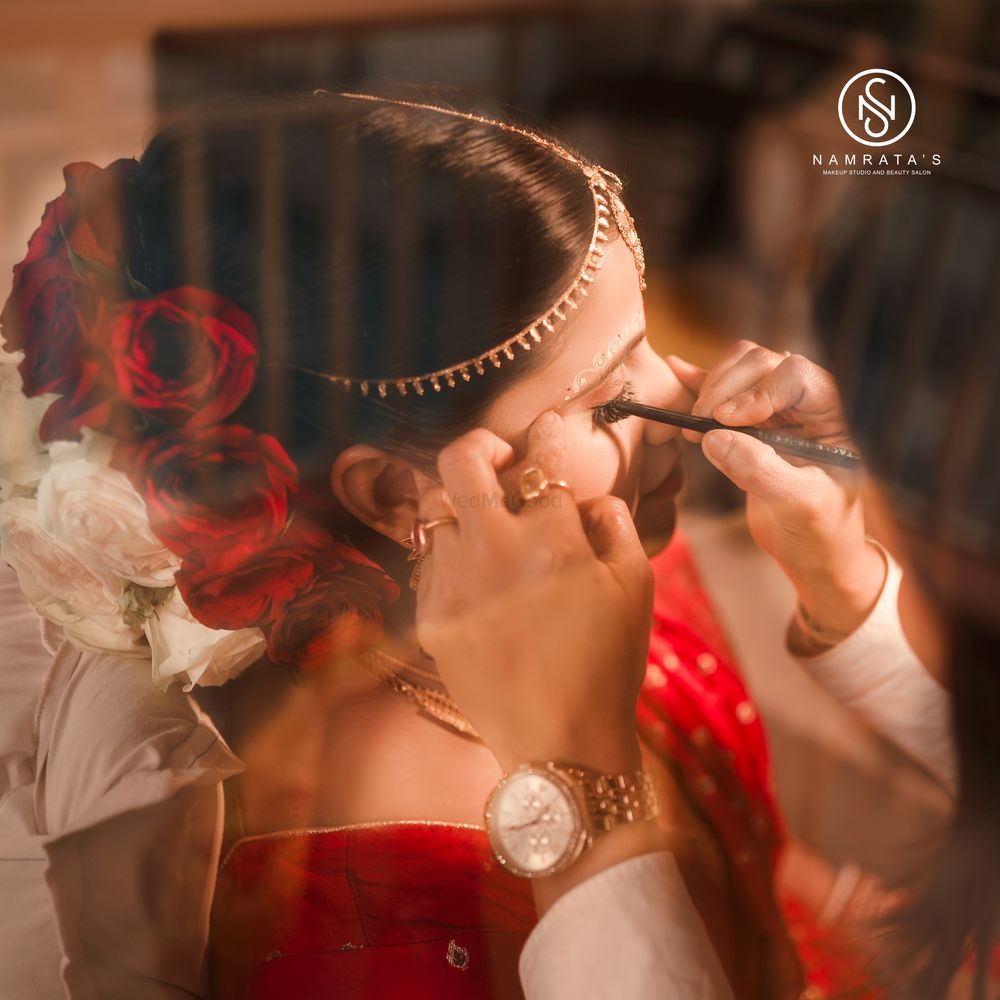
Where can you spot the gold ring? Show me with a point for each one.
(419, 540)
(533, 483)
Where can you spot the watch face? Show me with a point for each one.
(534, 823)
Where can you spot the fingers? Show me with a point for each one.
(434, 503)
(445, 543)
(796, 384)
(547, 452)
(613, 537)
(705, 384)
(758, 469)
(690, 376)
(728, 379)
(468, 468)
(731, 357)
(547, 445)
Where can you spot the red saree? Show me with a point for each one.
(421, 910)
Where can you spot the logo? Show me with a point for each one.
(877, 107)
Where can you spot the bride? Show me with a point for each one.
(272, 324)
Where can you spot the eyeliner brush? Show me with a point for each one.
(828, 454)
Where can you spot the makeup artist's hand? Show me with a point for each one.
(808, 517)
(538, 620)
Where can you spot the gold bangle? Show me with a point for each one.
(817, 634)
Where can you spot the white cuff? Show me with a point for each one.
(876, 673)
(629, 932)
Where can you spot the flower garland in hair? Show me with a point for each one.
(136, 517)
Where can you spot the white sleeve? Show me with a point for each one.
(876, 673)
(629, 932)
(130, 789)
(111, 820)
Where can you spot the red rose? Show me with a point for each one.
(336, 618)
(187, 356)
(252, 593)
(54, 301)
(91, 218)
(47, 240)
(302, 585)
(48, 320)
(88, 405)
(93, 212)
(54, 313)
(219, 494)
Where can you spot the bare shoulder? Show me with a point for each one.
(320, 756)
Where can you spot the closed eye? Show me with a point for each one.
(608, 412)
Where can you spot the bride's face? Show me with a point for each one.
(602, 351)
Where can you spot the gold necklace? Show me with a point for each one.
(437, 704)
(410, 668)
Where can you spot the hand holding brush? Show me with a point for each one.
(809, 517)
(788, 444)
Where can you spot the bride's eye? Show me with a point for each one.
(608, 413)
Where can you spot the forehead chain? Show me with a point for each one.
(605, 188)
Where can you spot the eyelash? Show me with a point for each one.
(608, 413)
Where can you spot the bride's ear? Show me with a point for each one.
(380, 489)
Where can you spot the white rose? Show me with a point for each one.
(60, 587)
(23, 457)
(96, 512)
(183, 646)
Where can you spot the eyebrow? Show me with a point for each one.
(608, 372)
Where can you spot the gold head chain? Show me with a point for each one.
(606, 190)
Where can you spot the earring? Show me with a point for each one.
(413, 557)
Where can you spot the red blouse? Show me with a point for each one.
(416, 910)
(420, 909)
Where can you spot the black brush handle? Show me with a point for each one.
(829, 454)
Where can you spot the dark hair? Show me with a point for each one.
(367, 239)
(908, 312)
(957, 898)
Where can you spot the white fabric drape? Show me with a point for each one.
(110, 821)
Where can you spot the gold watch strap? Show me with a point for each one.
(614, 799)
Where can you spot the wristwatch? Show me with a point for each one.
(542, 817)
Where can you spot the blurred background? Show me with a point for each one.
(713, 113)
